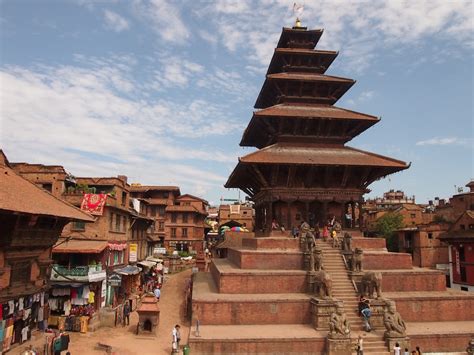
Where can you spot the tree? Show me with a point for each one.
(386, 226)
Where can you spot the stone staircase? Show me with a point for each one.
(343, 290)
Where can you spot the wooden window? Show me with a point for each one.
(118, 222)
(161, 226)
(174, 217)
(20, 272)
(124, 198)
(111, 221)
(161, 211)
(173, 232)
(185, 218)
(124, 224)
(430, 235)
(185, 232)
(153, 211)
(78, 225)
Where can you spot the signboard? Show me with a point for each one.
(103, 292)
(132, 256)
(457, 262)
(230, 199)
(159, 250)
(115, 280)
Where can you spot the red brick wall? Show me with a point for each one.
(258, 283)
(252, 260)
(438, 343)
(368, 243)
(386, 261)
(411, 281)
(259, 346)
(252, 312)
(429, 309)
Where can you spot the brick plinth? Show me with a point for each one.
(434, 306)
(287, 346)
(406, 281)
(252, 311)
(368, 244)
(386, 261)
(267, 259)
(440, 343)
(271, 243)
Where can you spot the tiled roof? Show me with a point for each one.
(145, 188)
(19, 195)
(309, 77)
(313, 111)
(156, 201)
(181, 208)
(192, 197)
(317, 154)
(80, 246)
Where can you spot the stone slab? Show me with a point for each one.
(271, 243)
(368, 244)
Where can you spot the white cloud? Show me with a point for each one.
(359, 29)
(446, 141)
(362, 97)
(165, 18)
(87, 118)
(115, 22)
(176, 72)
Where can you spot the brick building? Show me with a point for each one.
(185, 223)
(154, 200)
(31, 221)
(460, 238)
(238, 213)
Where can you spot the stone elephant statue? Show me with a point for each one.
(372, 283)
(322, 284)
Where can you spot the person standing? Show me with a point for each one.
(360, 346)
(397, 349)
(406, 352)
(364, 309)
(418, 351)
(176, 338)
(157, 293)
(126, 313)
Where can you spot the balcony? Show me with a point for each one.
(91, 273)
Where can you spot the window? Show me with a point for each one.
(298, 216)
(118, 220)
(471, 226)
(245, 212)
(166, 194)
(173, 232)
(430, 235)
(186, 203)
(78, 225)
(47, 187)
(20, 272)
(185, 218)
(161, 226)
(111, 221)
(124, 224)
(161, 211)
(185, 232)
(174, 217)
(153, 211)
(413, 215)
(462, 226)
(124, 198)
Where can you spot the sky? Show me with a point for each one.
(161, 91)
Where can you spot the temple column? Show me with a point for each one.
(353, 220)
(288, 217)
(269, 215)
(361, 220)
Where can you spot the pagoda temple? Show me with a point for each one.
(303, 170)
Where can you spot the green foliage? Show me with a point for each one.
(183, 254)
(386, 226)
(440, 219)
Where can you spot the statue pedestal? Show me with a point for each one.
(307, 260)
(338, 346)
(377, 307)
(404, 342)
(321, 310)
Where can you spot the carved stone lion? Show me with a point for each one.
(347, 242)
(316, 260)
(372, 282)
(356, 260)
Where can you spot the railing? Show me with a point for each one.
(79, 273)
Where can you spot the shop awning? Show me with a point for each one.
(147, 263)
(80, 247)
(155, 260)
(128, 270)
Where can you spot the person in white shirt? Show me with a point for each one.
(157, 292)
(176, 338)
(396, 349)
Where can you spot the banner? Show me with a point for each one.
(133, 253)
(94, 203)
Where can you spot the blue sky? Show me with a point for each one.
(161, 91)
